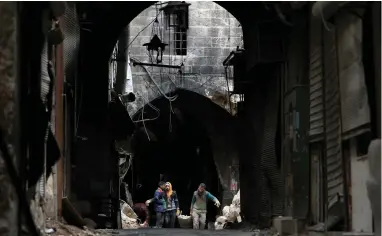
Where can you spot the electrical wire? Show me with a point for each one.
(173, 98)
(150, 119)
(144, 125)
(128, 46)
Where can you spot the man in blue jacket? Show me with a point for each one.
(160, 204)
(198, 207)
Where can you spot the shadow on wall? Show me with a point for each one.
(222, 128)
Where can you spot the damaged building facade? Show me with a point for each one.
(311, 109)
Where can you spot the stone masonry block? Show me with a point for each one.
(136, 50)
(195, 51)
(198, 31)
(198, 61)
(135, 30)
(206, 69)
(149, 12)
(215, 13)
(219, 42)
(219, 22)
(206, 5)
(199, 42)
(218, 31)
(201, 21)
(141, 21)
(286, 226)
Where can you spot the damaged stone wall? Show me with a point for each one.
(8, 75)
(213, 33)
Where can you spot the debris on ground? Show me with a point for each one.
(231, 213)
(185, 221)
(56, 228)
(129, 217)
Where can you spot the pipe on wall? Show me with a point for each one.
(122, 64)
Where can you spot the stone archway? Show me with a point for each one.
(222, 128)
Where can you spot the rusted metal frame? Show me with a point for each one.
(156, 65)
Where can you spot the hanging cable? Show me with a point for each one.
(150, 119)
(141, 32)
(144, 125)
(156, 84)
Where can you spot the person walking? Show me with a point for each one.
(160, 204)
(143, 213)
(172, 204)
(198, 207)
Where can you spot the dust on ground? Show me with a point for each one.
(62, 229)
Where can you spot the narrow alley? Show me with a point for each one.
(190, 118)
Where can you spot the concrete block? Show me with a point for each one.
(286, 226)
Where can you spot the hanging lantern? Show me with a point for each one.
(157, 45)
(176, 13)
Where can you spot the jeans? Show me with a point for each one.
(160, 219)
(199, 219)
(170, 218)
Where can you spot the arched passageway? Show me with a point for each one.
(193, 132)
(108, 20)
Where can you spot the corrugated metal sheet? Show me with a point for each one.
(45, 80)
(316, 84)
(333, 141)
(271, 187)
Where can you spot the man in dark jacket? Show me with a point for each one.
(160, 204)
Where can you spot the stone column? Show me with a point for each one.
(8, 74)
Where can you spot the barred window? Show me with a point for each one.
(177, 25)
(180, 39)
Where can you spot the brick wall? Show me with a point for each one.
(213, 33)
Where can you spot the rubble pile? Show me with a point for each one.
(60, 229)
(129, 218)
(230, 213)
